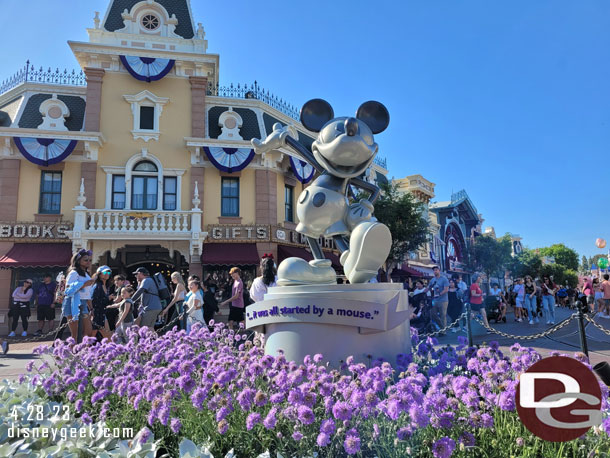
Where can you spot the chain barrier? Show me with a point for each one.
(598, 326)
(41, 338)
(546, 333)
(171, 323)
(446, 328)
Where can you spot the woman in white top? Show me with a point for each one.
(78, 293)
(194, 305)
(268, 279)
(178, 299)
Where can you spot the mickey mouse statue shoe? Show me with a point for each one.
(342, 153)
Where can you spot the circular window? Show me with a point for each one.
(150, 22)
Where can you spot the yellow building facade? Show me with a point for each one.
(144, 158)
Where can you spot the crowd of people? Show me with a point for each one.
(441, 300)
(109, 305)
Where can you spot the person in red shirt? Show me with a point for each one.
(476, 300)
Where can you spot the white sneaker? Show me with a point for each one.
(604, 315)
(551, 322)
(12, 334)
(24, 334)
(4, 347)
(531, 321)
(454, 330)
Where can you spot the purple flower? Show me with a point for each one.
(342, 411)
(507, 401)
(376, 431)
(175, 425)
(520, 442)
(351, 444)
(253, 419)
(323, 440)
(404, 433)
(144, 434)
(467, 439)
(297, 436)
(305, 415)
(223, 426)
(327, 427)
(443, 448)
(271, 419)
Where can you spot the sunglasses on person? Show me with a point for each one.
(27, 282)
(84, 252)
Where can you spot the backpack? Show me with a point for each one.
(164, 293)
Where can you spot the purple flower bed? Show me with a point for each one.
(212, 388)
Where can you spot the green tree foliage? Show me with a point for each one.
(584, 265)
(563, 255)
(490, 255)
(404, 216)
(528, 262)
(560, 274)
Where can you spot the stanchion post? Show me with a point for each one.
(581, 329)
(468, 325)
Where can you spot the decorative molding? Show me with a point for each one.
(54, 113)
(146, 99)
(231, 123)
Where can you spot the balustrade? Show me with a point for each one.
(119, 221)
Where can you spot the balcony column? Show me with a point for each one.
(197, 236)
(80, 220)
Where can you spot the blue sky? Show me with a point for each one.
(509, 100)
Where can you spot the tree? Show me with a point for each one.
(563, 255)
(405, 218)
(528, 262)
(560, 274)
(585, 266)
(491, 255)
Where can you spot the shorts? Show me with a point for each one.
(590, 299)
(70, 309)
(236, 314)
(45, 313)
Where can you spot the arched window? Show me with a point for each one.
(145, 186)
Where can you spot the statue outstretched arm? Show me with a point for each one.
(282, 136)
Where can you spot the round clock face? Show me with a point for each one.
(150, 22)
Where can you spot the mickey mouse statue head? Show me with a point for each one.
(344, 149)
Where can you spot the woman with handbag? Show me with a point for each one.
(100, 300)
(21, 307)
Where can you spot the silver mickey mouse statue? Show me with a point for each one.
(343, 151)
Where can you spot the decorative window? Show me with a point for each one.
(150, 22)
(119, 192)
(146, 109)
(170, 193)
(50, 193)
(230, 197)
(230, 122)
(147, 118)
(144, 188)
(54, 113)
(288, 203)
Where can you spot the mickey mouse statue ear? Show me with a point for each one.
(315, 114)
(375, 115)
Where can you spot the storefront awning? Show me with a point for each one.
(230, 254)
(37, 255)
(406, 272)
(286, 251)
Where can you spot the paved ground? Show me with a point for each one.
(565, 340)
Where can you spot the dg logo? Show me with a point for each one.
(558, 399)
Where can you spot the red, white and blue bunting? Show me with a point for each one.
(302, 170)
(229, 159)
(44, 151)
(147, 68)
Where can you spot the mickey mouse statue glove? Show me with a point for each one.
(362, 211)
(276, 139)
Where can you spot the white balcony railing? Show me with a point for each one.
(129, 221)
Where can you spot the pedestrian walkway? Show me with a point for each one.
(565, 340)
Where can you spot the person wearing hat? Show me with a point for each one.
(148, 292)
(100, 299)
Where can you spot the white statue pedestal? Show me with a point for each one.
(369, 320)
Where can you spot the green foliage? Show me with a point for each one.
(560, 274)
(404, 216)
(491, 255)
(528, 262)
(563, 255)
(584, 265)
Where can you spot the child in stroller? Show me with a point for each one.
(421, 318)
